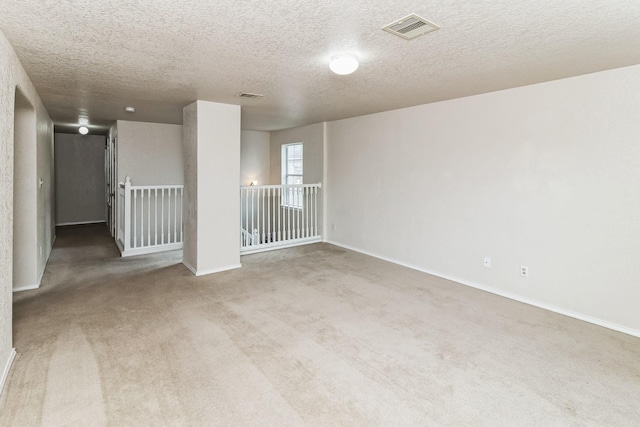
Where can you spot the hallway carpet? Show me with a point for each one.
(315, 335)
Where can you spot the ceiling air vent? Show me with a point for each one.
(249, 95)
(410, 27)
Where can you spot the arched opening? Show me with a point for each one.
(25, 195)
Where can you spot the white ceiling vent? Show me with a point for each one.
(410, 27)
(249, 95)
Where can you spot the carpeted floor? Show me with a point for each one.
(315, 335)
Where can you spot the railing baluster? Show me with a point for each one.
(305, 221)
(246, 214)
(315, 215)
(135, 218)
(175, 215)
(256, 213)
(149, 217)
(261, 190)
(178, 216)
(126, 215)
(270, 237)
(155, 217)
(162, 219)
(279, 211)
(309, 208)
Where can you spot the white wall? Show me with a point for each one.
(80, 178)
(545, 176)
(254, 157)
(150, 153)
(12, 75)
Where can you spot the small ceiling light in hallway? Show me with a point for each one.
(83, 130)
(344, 63)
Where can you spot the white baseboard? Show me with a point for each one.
(283, 245)
(26, 288)
(120, 246)
(62, 224)
(515, 297)
(35, 285)
(7, 368)
(215, 270)
(193, 270)
(150, 249)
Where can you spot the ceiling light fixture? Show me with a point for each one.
(83, 130)
(130, 109)
(344, 63)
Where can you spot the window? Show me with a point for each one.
(292, 174)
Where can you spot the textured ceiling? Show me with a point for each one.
(94, 57)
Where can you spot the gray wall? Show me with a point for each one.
(150, 153)
(545, 176)
(254, 157)
(80, 180)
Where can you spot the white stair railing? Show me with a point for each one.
(276, 216)
(149, 218)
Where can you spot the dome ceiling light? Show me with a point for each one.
(344, 63)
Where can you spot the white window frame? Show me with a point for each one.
(292, 197)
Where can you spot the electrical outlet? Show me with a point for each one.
(333, 226)
(487, 262)
(524, 271)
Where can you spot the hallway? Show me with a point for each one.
(313, 335)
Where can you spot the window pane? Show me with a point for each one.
(292, 171)
(297, 167)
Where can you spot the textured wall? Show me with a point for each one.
(150, 153)
(544, 176)
(190, 198)
(80, 180)
(11, 75)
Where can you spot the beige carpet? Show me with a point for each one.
(314, 335)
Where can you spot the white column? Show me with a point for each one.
(211, 141)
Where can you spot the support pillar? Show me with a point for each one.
(211, 142)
